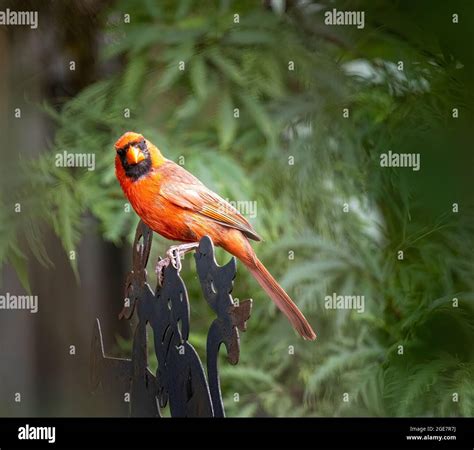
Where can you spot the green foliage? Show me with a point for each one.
(298, 114)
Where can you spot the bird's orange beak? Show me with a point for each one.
(134, 155)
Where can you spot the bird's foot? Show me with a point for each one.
(173, 257)
(177, 252)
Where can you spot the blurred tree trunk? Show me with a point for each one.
(17, 369)
(35, 348)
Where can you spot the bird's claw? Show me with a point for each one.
(161, 265)
(173, 257)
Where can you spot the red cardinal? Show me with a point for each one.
(175, 204)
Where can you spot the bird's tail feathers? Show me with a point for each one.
(281, 299)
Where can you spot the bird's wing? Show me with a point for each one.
(186, 191)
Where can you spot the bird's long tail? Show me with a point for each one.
(281, 298)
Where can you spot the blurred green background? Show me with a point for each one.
(317, 105)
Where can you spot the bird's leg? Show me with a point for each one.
(174, 255)
(160, 269)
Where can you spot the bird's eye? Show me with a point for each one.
(142, 144)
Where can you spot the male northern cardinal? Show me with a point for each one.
(178, 206)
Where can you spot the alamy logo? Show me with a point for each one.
(355, 302)
(29, 18)
(335, 17)
(37, 433)
(9, 301)
(67, 159)
(247, 208)
(390, 159)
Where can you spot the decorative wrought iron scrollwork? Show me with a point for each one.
(217, 283)
(180, 379)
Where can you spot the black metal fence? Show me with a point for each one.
(127, 386)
